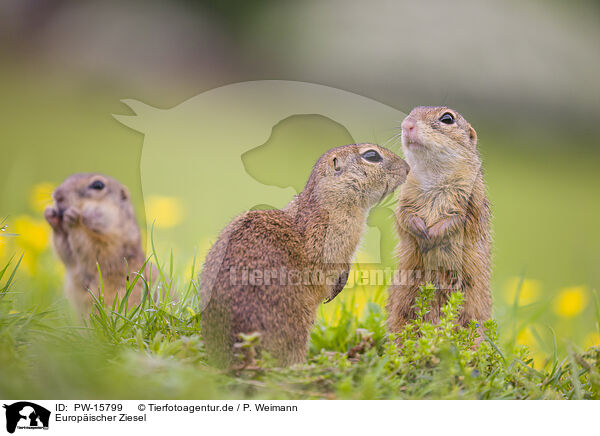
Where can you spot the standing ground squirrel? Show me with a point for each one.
(270, 269)
(93, 222)
(442, 218)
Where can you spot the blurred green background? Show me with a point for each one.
(525, 74)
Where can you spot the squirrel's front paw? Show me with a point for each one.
(438, 231)
(418, 228)
(71, 216)
(52, 216)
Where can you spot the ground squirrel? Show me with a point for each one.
(93, 222)
(270, 269)
(442, 218)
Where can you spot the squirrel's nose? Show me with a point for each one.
(408, 125)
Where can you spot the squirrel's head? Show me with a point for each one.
(437, 135)
(96, 190)
(357, 175)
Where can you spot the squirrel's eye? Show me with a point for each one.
(447, 118)
(372, 156)
(97, 185)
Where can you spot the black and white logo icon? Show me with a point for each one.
(26, 415)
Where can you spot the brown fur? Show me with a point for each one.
(318, 231)
(442, 219)
(95, 226)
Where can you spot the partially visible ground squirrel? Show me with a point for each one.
(270, 269)
(442, 218)
(93, 222)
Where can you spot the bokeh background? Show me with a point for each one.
(525, 74)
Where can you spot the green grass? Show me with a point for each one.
(155, 350)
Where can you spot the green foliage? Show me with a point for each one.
(155, 350)
(444, 360)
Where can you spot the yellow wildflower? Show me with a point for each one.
(41, 196)
(571, 301)
(526, 337)
(33, 234)
(592, 340)
(530, 291)
(165, 212)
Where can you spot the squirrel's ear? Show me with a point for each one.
(336, 165)
(124, 193)
(472, 135)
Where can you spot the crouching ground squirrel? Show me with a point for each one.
(270, 269)
(93, 222)
(442, 218)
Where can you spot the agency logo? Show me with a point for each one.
(26, 415)
(252, 145)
